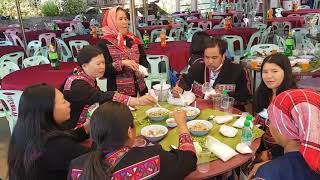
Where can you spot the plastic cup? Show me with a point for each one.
(216, 101)
(227, 104)
(203, 167)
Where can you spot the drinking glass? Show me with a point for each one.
(206, 88)
(227, 104)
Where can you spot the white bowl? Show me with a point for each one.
(171, 122)
(300, 61)
(306, 57)
(293, 62)
(194, 132)
(154, 132)
(192, 112)
(157, 109)
(165, 91)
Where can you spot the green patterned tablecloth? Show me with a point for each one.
(141, 120)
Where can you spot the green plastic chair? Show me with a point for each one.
(178, 19)
(176, 33)
(32, 47)
(155, 34)
(265, 35)
(307, 44)
(6, 43)
(64, 51)
(316, 4)
(231, 39)
(6, 68)
(11, 99)
(259, 26)
(190, 32)
(155, 64)
(12, 57)
(43, 51)
(75, 46)
(34, 61)
(253, 37)
(299, 34)
(67, 34)
(280, 41)
(281, 28)
(264, 48)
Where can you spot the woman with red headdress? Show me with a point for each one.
(295, 125)
(123, 53)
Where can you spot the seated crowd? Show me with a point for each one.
(52, 127)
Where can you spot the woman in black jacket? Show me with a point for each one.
(38, 148)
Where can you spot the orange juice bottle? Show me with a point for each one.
(295, 6)
(270, 14)
(163, 38)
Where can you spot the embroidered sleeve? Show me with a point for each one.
(186, 143)
(121, 98)
(75, 174)
(117, 65)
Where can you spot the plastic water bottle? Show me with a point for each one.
(249, 118)
(246, 136)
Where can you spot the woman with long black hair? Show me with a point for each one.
(38, 148)
(113, 131)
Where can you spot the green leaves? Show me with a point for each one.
(49, 8)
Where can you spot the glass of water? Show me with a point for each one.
(227, 104)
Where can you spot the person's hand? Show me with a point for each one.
(255, 169)
(180, 116)
(86, 126)
(176, 91)
(130, 64)
(146, 100)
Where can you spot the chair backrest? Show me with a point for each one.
(205, 25)
(151, 17)
(293, 15)
(316, 4)
(9, 100)
(191, 31)
(6, 43)
(155, 34)
(265, 35)
(12, 57)
(47, 38)
(32, 47)
(49, 25)
(7, 67)
(259, 26)
(67, 34)
(42, 51)
(299, 34)
(255, 36)
(16, 41)
(304, 7)
(281, 28)
(76, 45)
(263, 48)
(64, 51)
(231, 39)
(155, 62)
(280, 41)
(176, 33)
(68, 29)
(142, 24)
(307, 44)
(34, 61)
(192, 18)
(12, 31)
(168, 39)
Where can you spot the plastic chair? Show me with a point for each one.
(81, 29)
(32, 47)
(299, 34)
(68, 29)
(278, 12)
(176, 33)
(254, 36)
(142, 25)
(280, 41)
(155, 34)
(316, 4)
(168, 39)
(191, 18)
(265, 35)
(155, 62)
(190, 33)
(34, 61)
(6, 43)
(47, 38)
(263, 48)
(67, 34)
(304, 7)
(259, 26)
(63, 49)
(12, 57)
(42, 51)
(178, 19)
(307, 44)
(77, 45)
(281, 28)
(16, 40)
(9, 100)
(205, 25)
(293, 15)
(7, 68)
(231, 39)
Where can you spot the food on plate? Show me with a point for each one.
(199, 127)
(158, 113)
(155, 132)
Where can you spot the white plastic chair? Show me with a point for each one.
(16, 40)
(176, 33)
(281, 28)
(6, 43)
(9, 100)
(259, 26)
(254, 36)
(42, 51)
(231, 39)
(34, 61)
(68, 29)
(33, 46)
(293, 15)
(142, 25)
(156, 61)
(12, 57)
(63, 49)
(280, 41)
(264, 48)
(67, 34)
(168, 39)
(47, 37)
(299, 34)
(205, 25)
(190, 33)
(155, 34)
(7, 68)
(77, 45)
(265, 35)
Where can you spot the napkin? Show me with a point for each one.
(243, 148)
(223, 119)
(264, 113)
(143, 70)
(228, 131)
(221, 150)
(187, 98)
(208, 94)
(197, 147)
(240, 123)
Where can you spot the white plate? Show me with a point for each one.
(187, 98)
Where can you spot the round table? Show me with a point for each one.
(23, 78)
(10, 49)
(64, 24)
(34, 34)
(295, 21)
(150, 28)
(196, 21)
(177, 51)
(300, 12)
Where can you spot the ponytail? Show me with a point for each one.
(96, 168)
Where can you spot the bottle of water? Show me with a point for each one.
(246, 136)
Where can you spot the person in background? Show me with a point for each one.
(38, 148)
(197, 47)
(220, 74)
(113, 131)
(294, 123)
(123, 53)
(81, 89)
(277, 77)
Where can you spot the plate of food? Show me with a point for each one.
(171, 122)
(199, 127)
(157, 113)
(192, 112)
(154, 132)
